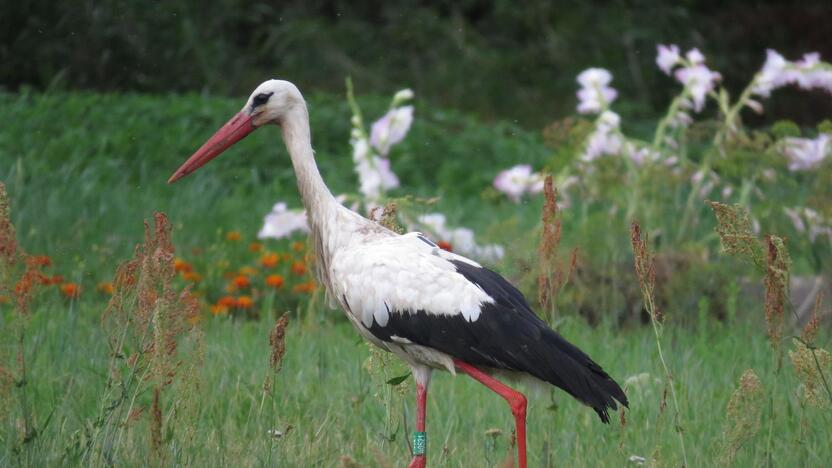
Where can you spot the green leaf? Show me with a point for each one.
(397, 380)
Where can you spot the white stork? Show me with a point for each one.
(432, 308)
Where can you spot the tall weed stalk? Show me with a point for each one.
(771, 258)
(553, 273)
(20, 280)
(646, 273)
(155, 354)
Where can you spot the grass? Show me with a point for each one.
(82, 168)
(82, 171)
(326, 395)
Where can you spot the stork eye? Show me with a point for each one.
(260, 99)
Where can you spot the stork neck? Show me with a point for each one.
(313, 191)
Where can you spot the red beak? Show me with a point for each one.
(233, 131)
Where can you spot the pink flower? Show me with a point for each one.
(807, 73)
(667, 57)
(375, 177)
(391, 129)
(695, 57)
(699, 80)
(594, 94)
(773, 74)
(641, 156)
(805, 154)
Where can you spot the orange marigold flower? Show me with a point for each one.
(23, 286)
(227, 301)
(269, 260)
(297, 246)
(248, 271)
(244, 302)
(105, 288)
(57, 279)
(275, 281)
(307, 287)
(217, 309)
(181, 265)
(298, 268)
(71, 290)
(255, 247)
(241, 281)
(445, 245)
(40, 260)
(192, 276)
(41, 278)
(233, 236)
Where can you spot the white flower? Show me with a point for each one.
(804, 153)
(695, 57)
(282, 222)
(667, 57)
(594, 94)
(360, 149)
(461, 239)
(772, 75)
(807, 73)
(374, 173)
(388, 177)
(698, 80)
(605, 140)
(375, 177)
(391, 129)
(641, 156)
(518, 180)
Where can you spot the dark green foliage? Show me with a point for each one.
(498, 58)
(81, 168)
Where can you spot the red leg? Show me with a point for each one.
(514, 398)
(422, 377)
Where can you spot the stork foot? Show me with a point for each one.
(515, 399)
(419, 461)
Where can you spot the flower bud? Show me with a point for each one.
(402, 95)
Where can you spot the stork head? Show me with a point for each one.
(271, 102)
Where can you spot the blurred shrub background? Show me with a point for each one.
(493, 58)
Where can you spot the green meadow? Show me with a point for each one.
(83, 171)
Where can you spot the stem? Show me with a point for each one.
(645, 272)
(358, 125)
(668, 376)
(356, 111)
(718, 143)
(658, 137)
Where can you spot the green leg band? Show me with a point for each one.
(420, 443)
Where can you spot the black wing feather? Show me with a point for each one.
(508, 335)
